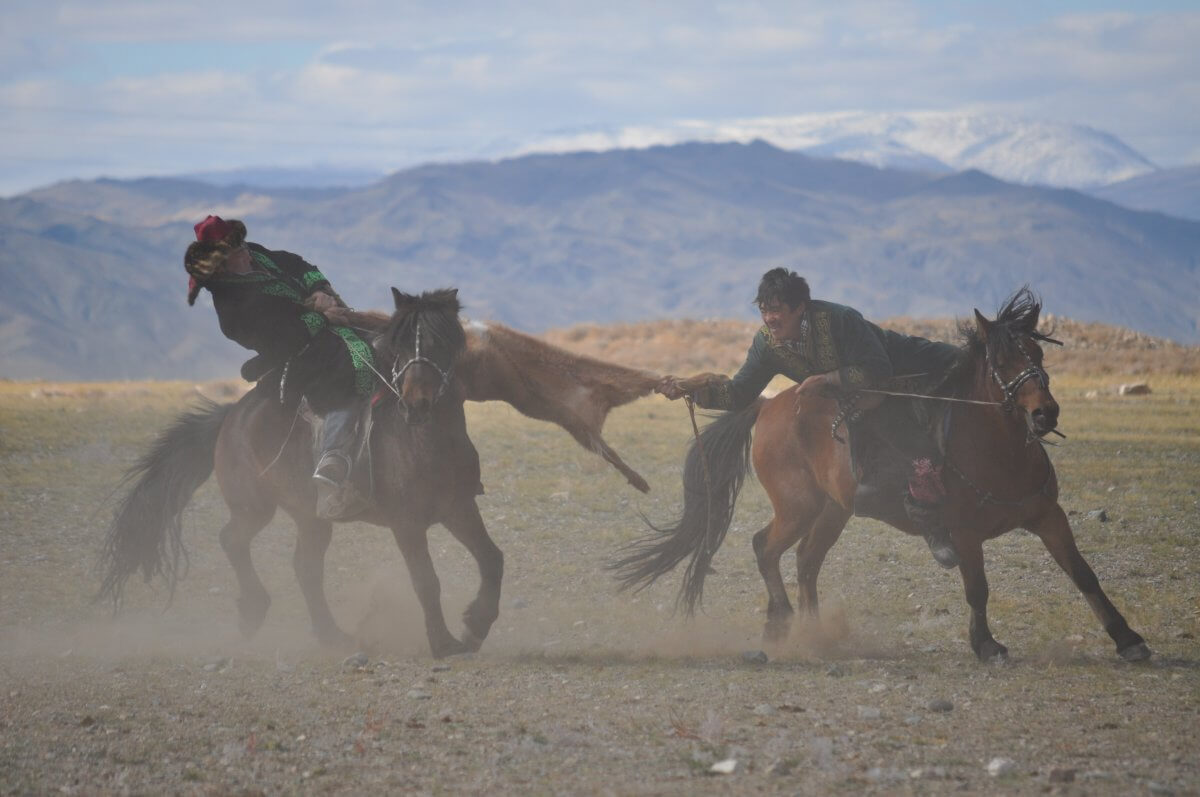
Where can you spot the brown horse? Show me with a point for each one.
(999, 479)
(425, 468)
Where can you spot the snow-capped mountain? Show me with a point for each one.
(1010, 148)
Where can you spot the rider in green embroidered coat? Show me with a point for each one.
(830, 347)
(273, 303)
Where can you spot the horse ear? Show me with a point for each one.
(983, 325)
(400, 298)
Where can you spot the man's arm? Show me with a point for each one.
(717, 392)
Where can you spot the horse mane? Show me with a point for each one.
(1016, 318)
(438, 310)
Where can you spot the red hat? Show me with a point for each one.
(212, 229)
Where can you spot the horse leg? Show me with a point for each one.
(769, 545)
(1055, 532)
(976, 587)
(810, 555)
(253, 600)
(467, 527)
(414, 545)
(308, 562)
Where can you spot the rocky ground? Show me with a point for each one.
(581, 689)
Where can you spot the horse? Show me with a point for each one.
(998, 478)
(425, 469)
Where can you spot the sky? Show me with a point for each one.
(128, 88)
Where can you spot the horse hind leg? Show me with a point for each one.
(770, 543)
(308, 562)
(253, 600)
(468, 528)
(810, 555)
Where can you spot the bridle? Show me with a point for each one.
(398, 370)
(1032, 371)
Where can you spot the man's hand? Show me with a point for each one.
(321, 302)
(818, 385)
(669, 386)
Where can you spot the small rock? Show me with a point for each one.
(1158, 788)
(764, 709)
(357, 661)
(418, 694)
(220, 664)
(941, 706)
(868, 713)
(754, 657)
(1062, 775)
(519, 603)
(441, 668)
(912, 719)
(780, 768)
(834, 671)
(726, 767)
(1092, 394)
(998, 767)
(1134, 389)
(927, 773)
(1098, 514)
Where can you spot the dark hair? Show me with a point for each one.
(781, 285)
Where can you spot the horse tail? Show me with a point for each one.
(709, 496)
(147, 532)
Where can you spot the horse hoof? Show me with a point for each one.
(471, 642)
(335, 639)
(1138, 652)
(452, 647)
(992, 652)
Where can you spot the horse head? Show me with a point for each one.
(1013, 357)
(423, 340)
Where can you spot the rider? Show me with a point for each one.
(275, 303)
(831, 348)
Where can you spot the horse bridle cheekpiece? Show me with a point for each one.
(398, 370)
(1032, 371)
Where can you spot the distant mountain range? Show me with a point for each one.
(1175, 192)
(94, 286)
(1033, 152)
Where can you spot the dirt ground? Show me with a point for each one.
(581, 689)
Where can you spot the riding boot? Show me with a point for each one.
(337, 497)
(923, 504)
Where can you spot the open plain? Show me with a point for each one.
(580, 688)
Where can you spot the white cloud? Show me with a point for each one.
(423, 77)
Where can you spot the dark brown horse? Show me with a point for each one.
(425, 468)
(999, 479)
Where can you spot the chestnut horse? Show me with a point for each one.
(425, 468)
(998, 478)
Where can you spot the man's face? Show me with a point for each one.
(783, 321)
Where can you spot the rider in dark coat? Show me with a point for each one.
(273, 302)
(831, 348)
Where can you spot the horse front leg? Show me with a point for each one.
(414, 545)
(970, 565)
(308, 562)
(1055, 533)
(468, 528)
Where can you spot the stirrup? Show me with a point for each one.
(328, 457)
